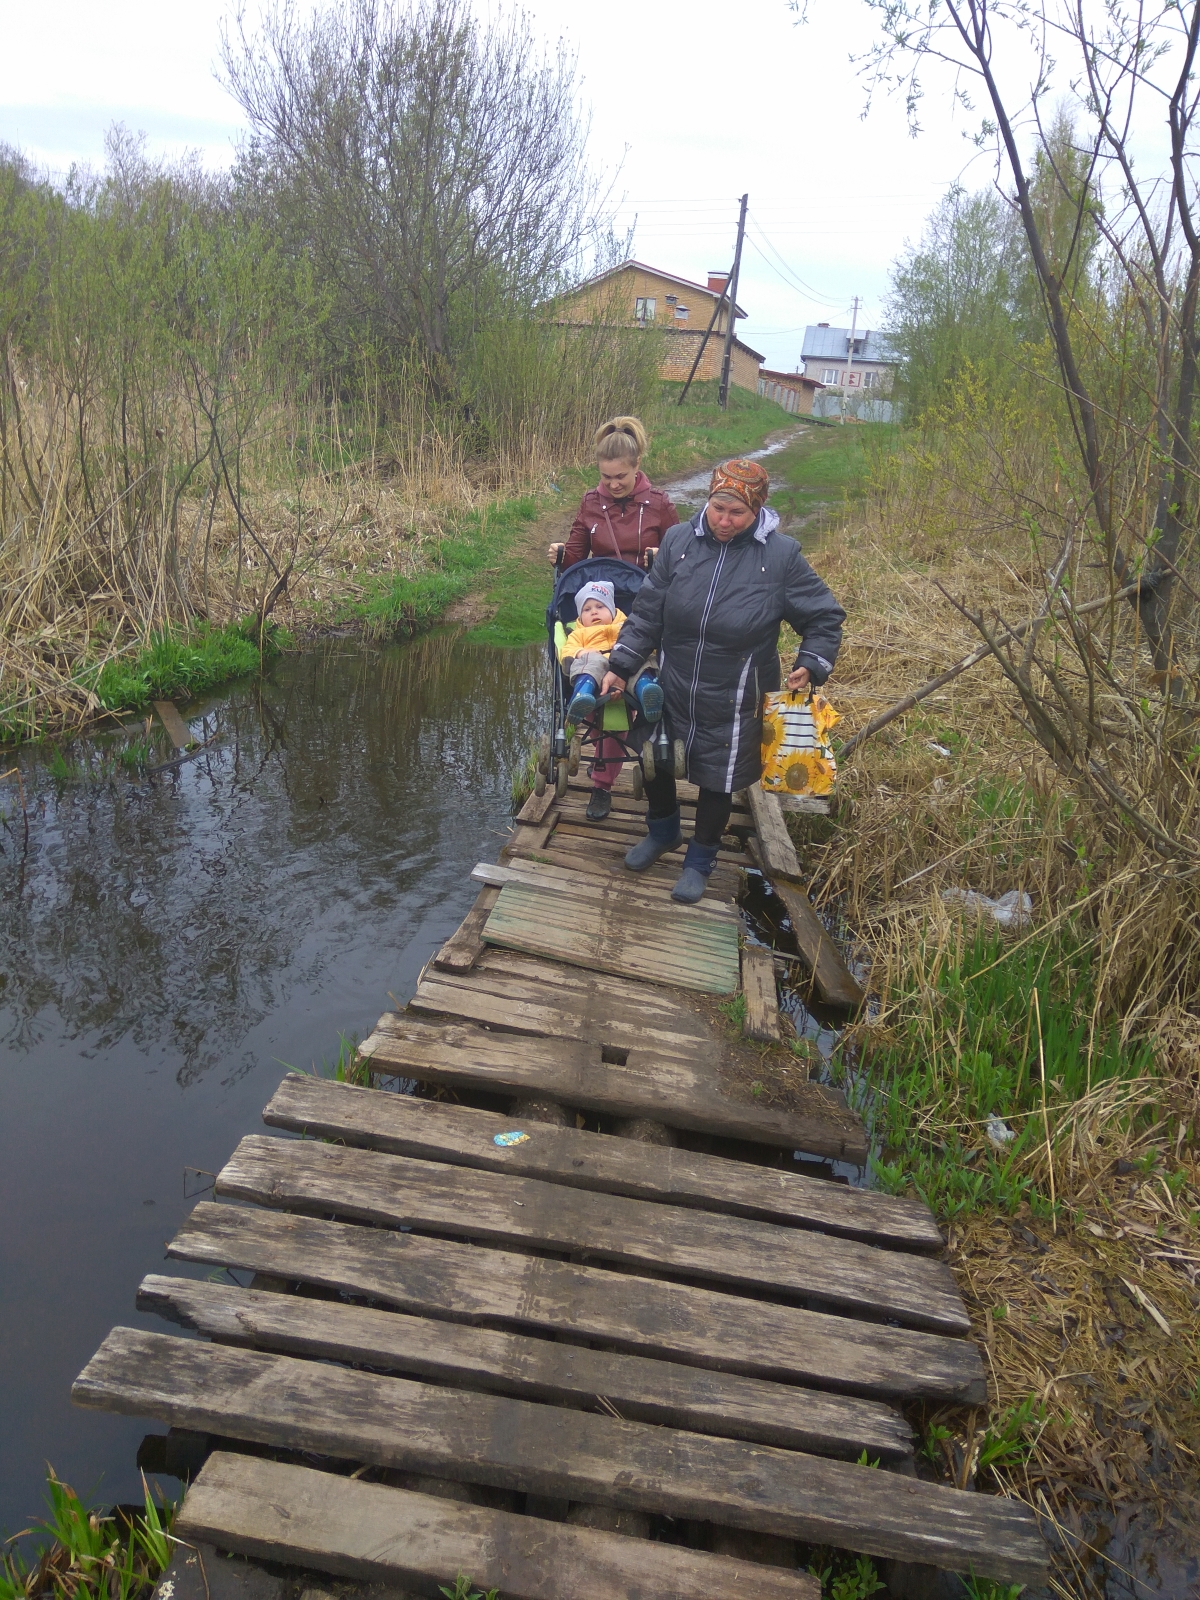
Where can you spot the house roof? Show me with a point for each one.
(794, 378)
(641, 266)
(834, 344)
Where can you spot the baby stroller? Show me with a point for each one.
(561, 748)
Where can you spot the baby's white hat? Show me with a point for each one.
(604, 592)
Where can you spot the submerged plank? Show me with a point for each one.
(646, 1316)
(181, 735)
(690, 953)
(396, 1538)
(642, 1390)
(834, 981)
(514, 1444)
(401, 1192)
(404, 1125)
(659, 1082)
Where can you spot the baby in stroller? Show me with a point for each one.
(583, 655)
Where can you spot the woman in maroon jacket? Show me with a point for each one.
(625, 516)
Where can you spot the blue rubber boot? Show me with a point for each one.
(663, 835)
(583, 701)
(693, 880)
(649, 696)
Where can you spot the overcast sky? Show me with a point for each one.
(695, 103)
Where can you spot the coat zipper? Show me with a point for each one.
(712, 589)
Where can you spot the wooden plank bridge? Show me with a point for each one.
(569, 1320)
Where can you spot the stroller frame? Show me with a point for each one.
(561, 746)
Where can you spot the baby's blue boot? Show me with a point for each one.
(697, 864)
(583, 701)
(649, 696)
(663, 835)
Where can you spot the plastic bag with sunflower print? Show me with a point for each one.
(796, 755)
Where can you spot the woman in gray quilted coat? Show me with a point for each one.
(711, 608)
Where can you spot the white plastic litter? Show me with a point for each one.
(999, 1132)
(1011, 910)
(938, 749)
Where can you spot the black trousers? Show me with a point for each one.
(712, 807)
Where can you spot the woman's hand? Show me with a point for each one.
(649, 556)
(554, 550)
(611, 684)
(800, 679)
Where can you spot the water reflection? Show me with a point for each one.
(166, 941)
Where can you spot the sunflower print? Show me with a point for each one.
(796, 755)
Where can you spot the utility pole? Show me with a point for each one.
(850, 356)
(727, 361)
(712, 322)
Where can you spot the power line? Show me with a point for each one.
(791, 272)
(805, 294)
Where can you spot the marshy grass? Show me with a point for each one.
(82, 1555)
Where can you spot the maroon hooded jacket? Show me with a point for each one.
(625, 528)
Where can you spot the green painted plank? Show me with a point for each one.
(655, 946)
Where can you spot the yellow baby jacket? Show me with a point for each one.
(600, 636)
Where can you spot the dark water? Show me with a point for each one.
(166, 943)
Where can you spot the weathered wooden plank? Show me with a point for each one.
(651, 1082)
(620, 837)
(626, 890)
(580, 787)
(834, 981)
(813, 805)
(465, 946)
(536, 806)
(645, 1316)
(723, 882)
(758, 987)
(775, 845)
(435, 1130)
(181, 735)
(690, 953)
(398, 1539)
(503, 1208)
(517, 1445)
(642, 1390)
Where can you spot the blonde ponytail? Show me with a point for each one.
(621, 439)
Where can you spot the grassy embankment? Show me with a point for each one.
(1037, 1087)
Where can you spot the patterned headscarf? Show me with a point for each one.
(748, 481)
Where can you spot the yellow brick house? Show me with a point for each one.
(649, 297)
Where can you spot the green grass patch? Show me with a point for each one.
(170, 664)
(962, 1047)
(470, 549)
(184, 664)
(828, 465)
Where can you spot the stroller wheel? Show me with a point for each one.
(543, 754)
(539, 783)
(639, 788)
(560, 778)
(573, 757)
(680, 760)
(647, 766)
